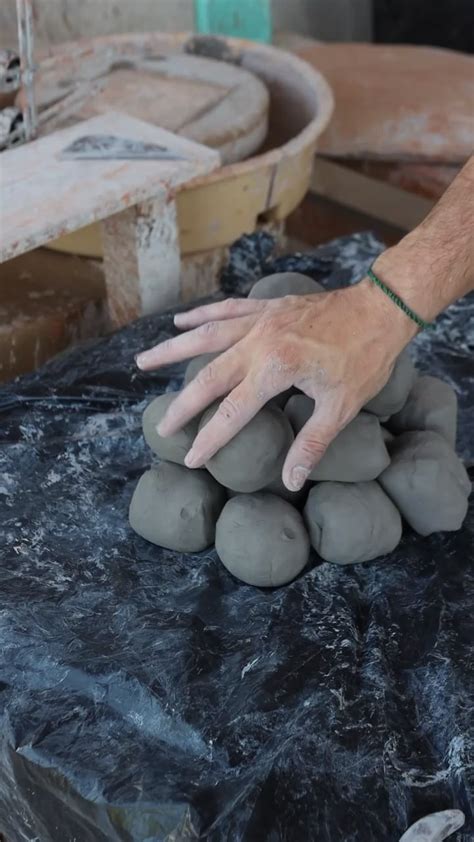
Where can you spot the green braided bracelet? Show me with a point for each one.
(398, 301)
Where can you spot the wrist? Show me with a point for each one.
(392, 328)
(405, 271)
(433, 265)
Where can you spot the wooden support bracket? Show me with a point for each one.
(141, 260)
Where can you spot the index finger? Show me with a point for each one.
(231, 308)
(210, 337)
(233, 413)
(213, 381)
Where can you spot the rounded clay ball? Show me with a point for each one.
(177, 508)
(394, 394)
(427, 482)
(261, 539)
(296, 498)
(299, 409)
(255, 456)
(351, 522)
(172, 448)
(357, 454)
(432, 405)
(284, 283)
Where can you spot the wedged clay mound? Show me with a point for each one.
(177, 508)
(393, 396)
(351, 522)
(255, 456)
(173, 448)
(262, 540)
(427, 482)
(432, 405)
(284, 283)
(357, 454)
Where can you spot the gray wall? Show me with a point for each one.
(329, 20)
(63, 20)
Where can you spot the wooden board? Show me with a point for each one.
(216, 104)
(44, 196)
(236, 198)
(371, 196)
(428, 180)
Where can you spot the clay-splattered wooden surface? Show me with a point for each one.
(219, 207)
(44, 196)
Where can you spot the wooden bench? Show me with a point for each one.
(43, 196)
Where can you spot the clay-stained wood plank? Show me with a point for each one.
(43, 196)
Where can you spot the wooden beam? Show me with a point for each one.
(368, 195)
(141, 261)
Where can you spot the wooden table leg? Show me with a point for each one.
(141, 260)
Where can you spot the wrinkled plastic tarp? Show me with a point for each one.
(147, 695)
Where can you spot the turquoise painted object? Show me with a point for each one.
(250, 19)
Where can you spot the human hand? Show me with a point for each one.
(337, 347)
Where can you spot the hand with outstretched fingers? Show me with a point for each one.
(337, 347)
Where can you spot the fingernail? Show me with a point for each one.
(190, 459)
(140, 360)
(298, 477)
(161, 429)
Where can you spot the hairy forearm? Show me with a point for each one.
(434, 264)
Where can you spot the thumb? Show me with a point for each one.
(307, 450)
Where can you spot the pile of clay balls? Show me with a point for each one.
(395, 459)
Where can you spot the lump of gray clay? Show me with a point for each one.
(255, 456)
(357, 454)
(299, 410)
(394, 394)
(196, 364)
(172, 448)
(432, 405)
(387, 435)
(262, 540)
(284, 283)
(351, 522)
(177, 508)
(427, 482)
(296, 498)
(282, 398)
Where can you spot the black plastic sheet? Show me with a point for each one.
(147, 695)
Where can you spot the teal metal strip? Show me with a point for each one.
(250, 19)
